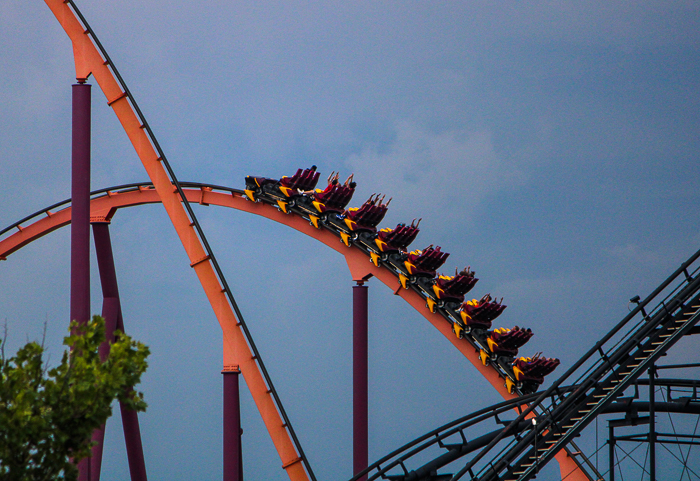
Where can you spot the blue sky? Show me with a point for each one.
(551, 146)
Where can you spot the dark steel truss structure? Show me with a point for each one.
(605, 380)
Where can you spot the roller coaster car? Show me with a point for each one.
(453, 288)
(425, 262)
(335, 199)
(303, 180)
(479, 314)
(332, 199)
(532, 370)
(506, 342)
(366, 217)
(397, 239)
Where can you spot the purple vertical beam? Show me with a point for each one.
(233, 460)
(80, 202)
(359, 378)
(80, 220)
(112, 313)
(652, 424)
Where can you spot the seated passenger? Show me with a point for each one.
(480, 313)
(286, 186)
(454, 287)
(506, 342)
(368, 215)
(397, 239)
(335, 197)
(332, 184)
(534, 368)
(425, 262)
(303, 180)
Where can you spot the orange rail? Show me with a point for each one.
(105, 207)
(90, 61)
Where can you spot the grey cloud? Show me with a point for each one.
(446, 174)
(568, 131)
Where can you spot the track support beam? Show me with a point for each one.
(652, 424)
(611, 452)
(112, 312)
(80, 225)
(233, 452)
(91, 59)
(80, 194)
(134, 448)
(360, 420)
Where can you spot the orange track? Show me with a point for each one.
(89, 61)
(103, 209)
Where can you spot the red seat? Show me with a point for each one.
(483, 311)
(454, 287)
(507, 341)
(369, 214)
(302, 180)
(426, 262)
(335, 197)
(323, 195)
(391, 240)
(534, 368)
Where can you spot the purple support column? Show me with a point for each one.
(105, 261)
(80, 215)
(359, 378)
(111, 311)
(233, 459)
(134, 448)
(80, 220)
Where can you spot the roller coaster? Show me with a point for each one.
(546, 422)
(470, 321)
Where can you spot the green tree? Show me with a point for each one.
(47, 416)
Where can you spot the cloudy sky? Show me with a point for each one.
(552, 146)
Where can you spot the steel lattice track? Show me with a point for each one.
(454, 440)
(600, 376)
(561, 413)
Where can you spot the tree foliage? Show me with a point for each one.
(47, 416)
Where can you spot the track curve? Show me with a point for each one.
(106, 202)
(91, 59)
(453, 441)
